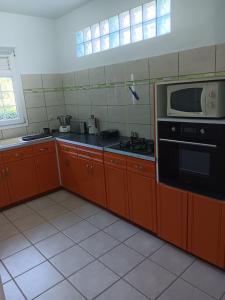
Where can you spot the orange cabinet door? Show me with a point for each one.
(85, 186)
(204, 229)
(69, 171)
(142, 200)
(4, 194)
(98, 183)
(47, 172)
(172, 215)
(116, 188)
(21, 179)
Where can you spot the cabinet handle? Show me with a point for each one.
(43, 149)
(3, 172)
(18, 154)
(114, 161)
(87, 166)
(139, 167)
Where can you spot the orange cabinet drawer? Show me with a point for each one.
(115, 160)
(17, 154)
(96, 155)
(64, 147)
(44, 148)
(140, 166)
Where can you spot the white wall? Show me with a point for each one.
(34, 40)
(195, 23)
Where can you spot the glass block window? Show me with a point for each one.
(143, 22)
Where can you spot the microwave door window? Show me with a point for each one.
(187, 100)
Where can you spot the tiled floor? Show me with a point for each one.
(61, 247)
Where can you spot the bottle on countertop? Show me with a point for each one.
(93, 125)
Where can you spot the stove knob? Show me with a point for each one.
(202, 131)
(173, 129)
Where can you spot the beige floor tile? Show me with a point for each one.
(4, 274)
(7, 230)
(93, 279)
(36, 281)
(121, 259)
(66, 220)
(121, 230)
(40, 203)
(54, 245)
(18, 212)
(53, 211)
(40, 232)
(71, 260)
(62, 291)
(12, 292)
(102, 219)
(13, 245)
(150, 279)
(28, 222)
(87, 211)
(23, 261)
(80, 231)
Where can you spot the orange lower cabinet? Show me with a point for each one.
(47, 172)
(116, 188)
(205, 228)
(98, 183)
(4, 193)
(69, 169)
(85, 178)
(142, 200)
(21, 179)
(172, 215)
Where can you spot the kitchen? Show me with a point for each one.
(123, 199)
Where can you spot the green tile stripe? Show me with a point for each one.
(128, 83)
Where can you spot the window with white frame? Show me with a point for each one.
(12, 108)
(146, 21)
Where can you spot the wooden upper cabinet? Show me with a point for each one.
(172, 215)
(142, 200)
(21, 179)
(205, 229)
(116, 184)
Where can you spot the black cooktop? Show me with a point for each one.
(136, 145)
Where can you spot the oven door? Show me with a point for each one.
(197, 167)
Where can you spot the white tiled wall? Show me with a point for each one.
(112, 105)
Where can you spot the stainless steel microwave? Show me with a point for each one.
(196, 100)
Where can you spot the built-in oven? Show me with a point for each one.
(192, 157)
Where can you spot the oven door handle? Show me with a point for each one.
(188, 143)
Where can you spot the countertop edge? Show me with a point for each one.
(61, 139)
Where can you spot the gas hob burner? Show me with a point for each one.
(134, 144)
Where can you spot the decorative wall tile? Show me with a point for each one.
(54, 111)
(83, 97)
(200, 60)
(142, 130)
(31, 81)
(68, 79)
(84, 112)
(34, 99)
(220, 58)
(54, 98)
(98, 96)
(97, 75)
(117, 114)
(100, 112)
(115, 73)
(73, 111)
(52, 80)
(139, 69)
(164, 66)
(139, 114)
(71, 97)
(14, 132)
(117, 96)
(82, 77)
(37, 114)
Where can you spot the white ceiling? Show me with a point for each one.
(41, 8)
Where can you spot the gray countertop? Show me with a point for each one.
(89, 141)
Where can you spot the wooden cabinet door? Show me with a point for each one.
(47, 172)
(22, 179)
(4, 194)
(116, 189)
(69, 171)
(98, 183)
(172, 215)
(204, 229)
(142, 200)
(85, 186)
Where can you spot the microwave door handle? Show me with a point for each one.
(188, 143)
(204, 100)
